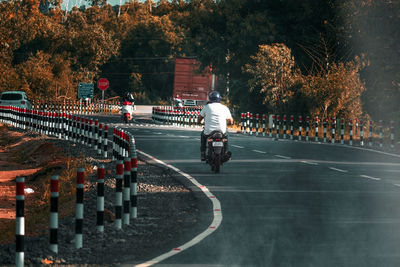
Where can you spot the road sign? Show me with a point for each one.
(85, 90)
(103, 84)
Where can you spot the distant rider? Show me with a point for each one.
(216, 116)
(127, 104)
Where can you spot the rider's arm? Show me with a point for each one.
(199, 119)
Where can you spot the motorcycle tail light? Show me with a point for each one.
(217, 139)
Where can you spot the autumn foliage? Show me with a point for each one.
(268, 54)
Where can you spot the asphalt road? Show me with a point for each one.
(287, 203)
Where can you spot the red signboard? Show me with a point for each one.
(103, 84)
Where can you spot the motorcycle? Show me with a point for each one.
(127, 111)
(217, 154)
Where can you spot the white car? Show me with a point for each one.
(16, 99)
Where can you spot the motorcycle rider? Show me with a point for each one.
(216, 116)
(127, 104)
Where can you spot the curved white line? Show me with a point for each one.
(217, 212)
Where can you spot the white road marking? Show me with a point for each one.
(338, 170)
(282, 157)
(309, 162)
(237, 146)
(370, 177)
(216, 222)
(397, 185)
(258, 151)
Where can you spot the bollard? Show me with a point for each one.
(277, 126)
(96, 135)
(351, 132)
(392, 134)
(80, 179)
(361, 133)
(242, 122)
(264, 118)
(316, 128)
(380, 133)
(271, 124)
(257, 123)
(251, 124)
(105, 140)
(54, 213)
(284, 126)
(307, 127)
(118, 194)
(291, 126)
(100, 198)
(133, 180)
(300, 127)
(324, 123)
(20, 222)
(370, 143)
(127, 189)
(342, 131)
(333, 120)
(248, 123)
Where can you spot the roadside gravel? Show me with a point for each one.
(168, 214)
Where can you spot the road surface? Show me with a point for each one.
(288, 203)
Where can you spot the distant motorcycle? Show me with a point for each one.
(127, 111)
(217, 154)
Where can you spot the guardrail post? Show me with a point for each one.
(277, 126)
(284, 126)
(264, 118)
(300, 127)
(133, 179)
(316, 128)
(54, 213)
(333, 120)
(118, 194)
(127, 189)
(361, 133)
(20, 222)
(100, 198)
(324, 123)
(80, 179)
(351, 132)
(307, 127)
(342, 131)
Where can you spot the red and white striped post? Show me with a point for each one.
(80, 179)
(248, 123)
(307, 127)
(361, 132)
(118, 194)
(284, 126)
(325, 124)
(20, 222)
(342, 131)
(370, 132)
(392, 131)
(257, 123)
(105, 142)
(277, 126)
(316, 128)
(271, 125)
(291, 126)
(333, 120)
(251, 124)
(351, 132)
(264, 118)
(300, 127)
(133, 179)
(100, 198)
(54, 213)
(380, 133)
(127, 189)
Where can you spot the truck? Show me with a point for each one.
(191, 86)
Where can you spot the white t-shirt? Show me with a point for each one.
(215, 116)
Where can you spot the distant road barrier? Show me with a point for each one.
(77, 107)
(88, 132)
(177, 116)
(355, 132)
